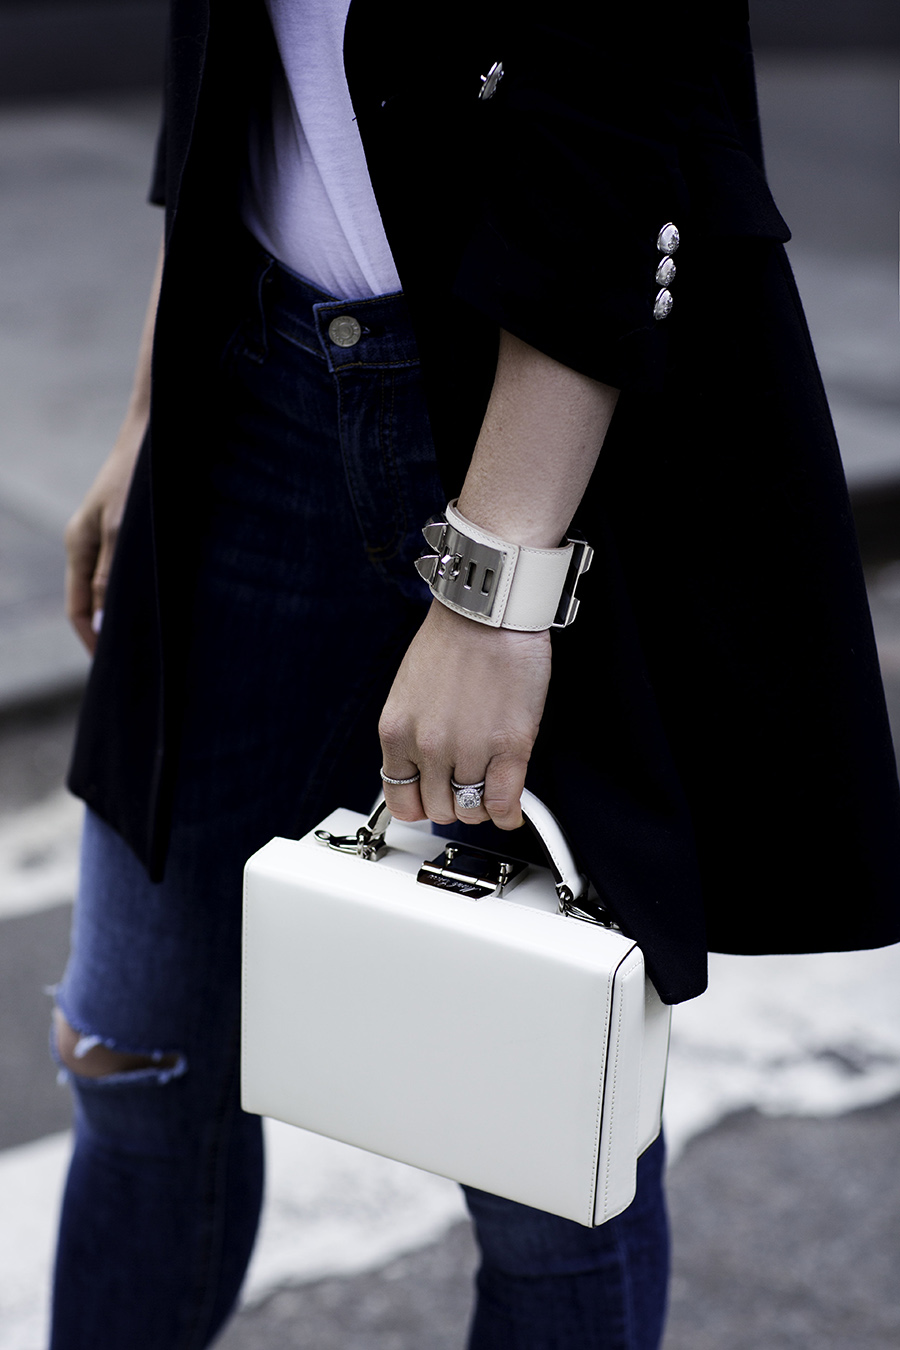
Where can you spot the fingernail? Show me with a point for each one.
(97, 620)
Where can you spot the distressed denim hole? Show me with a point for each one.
(91, 1058)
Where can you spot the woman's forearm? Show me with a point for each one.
(92, 532)
(468, 699)
(538, 445)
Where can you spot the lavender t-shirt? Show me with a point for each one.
(308, 198)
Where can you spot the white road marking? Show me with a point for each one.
(31, 1180)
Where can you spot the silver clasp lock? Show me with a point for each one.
(471, 872)
(368, 842)
(358, 843)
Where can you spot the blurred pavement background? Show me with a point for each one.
(784, 1101)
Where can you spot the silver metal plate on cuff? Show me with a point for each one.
(468, 573)
(461, 570)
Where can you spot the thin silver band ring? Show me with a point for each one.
(398, 782)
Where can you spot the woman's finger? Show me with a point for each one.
(82, 547)
(100, 578)
(437, 794)
(400, 784)
(504, 785)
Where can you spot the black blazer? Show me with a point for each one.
(715, 739)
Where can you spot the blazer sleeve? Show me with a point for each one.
(588, 140)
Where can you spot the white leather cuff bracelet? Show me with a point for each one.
(497, 583)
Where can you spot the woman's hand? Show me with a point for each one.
(466, 704)
(91, 536)
(92, 532)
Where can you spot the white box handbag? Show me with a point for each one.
(465, 1013)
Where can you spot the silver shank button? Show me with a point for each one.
(665, 273)
(662, 306)
(344, 331)
(490, 81)
(668, 239)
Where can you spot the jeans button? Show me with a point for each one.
(344, 331)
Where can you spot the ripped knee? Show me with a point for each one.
(91, 1057)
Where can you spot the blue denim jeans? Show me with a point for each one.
(305, 602)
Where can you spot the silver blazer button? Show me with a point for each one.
(665, 273)
(490, 81)
(662, 306)
(668, 239)
(344, 331)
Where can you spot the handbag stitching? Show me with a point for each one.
(622, 973)
(598, 1131)
(609, 1081)
(640, 1095)
(245, 965)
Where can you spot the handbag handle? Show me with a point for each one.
(571, 886)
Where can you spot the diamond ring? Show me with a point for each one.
(468, 795)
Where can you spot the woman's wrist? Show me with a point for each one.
(497, 582)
